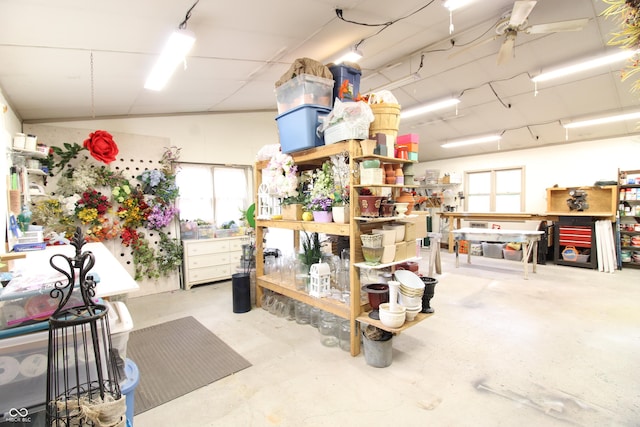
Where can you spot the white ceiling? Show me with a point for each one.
(244, 46)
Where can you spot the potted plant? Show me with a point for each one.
(321, 193)
(320, 207)
(340, 206)
(292, 207)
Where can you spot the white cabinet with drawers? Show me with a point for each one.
(210, 260)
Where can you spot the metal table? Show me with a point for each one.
(528, 238)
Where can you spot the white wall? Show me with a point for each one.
(9, 125)
(229, 138)
(12, 122)
(569, 165)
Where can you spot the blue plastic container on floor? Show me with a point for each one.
(297, 127)
(128, 387)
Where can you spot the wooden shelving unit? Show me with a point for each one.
(356, 311)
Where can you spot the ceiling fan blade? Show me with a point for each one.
(473, 46)
(554, 27)
(507, 49)
(520, 12)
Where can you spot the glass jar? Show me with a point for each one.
(291, 309)
(302, 276)
(314, 316)
(344, 335)
(269, 265)
(302, 313)
(328, 328)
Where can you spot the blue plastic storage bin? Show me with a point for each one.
(297, 127)
(342, 73)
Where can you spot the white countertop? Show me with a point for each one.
(114, 278)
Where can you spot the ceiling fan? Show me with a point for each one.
(516, 21)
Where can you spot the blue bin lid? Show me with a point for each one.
(132, 377)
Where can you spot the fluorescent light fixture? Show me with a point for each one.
(455, 4)
(471, 141)
(413, 77)
(603, 120)
(427, 108)
(354, 55)
(586, 65)
(173, 54)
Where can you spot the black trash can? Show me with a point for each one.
(241, 289)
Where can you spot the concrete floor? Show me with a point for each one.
(559, 349)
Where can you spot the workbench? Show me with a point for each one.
(528, 238)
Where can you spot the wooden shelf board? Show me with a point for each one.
(385, 218)
(287, 289)
(309, 226)
(384, 185)
(384, 159)
(364, 318)
(364, 265)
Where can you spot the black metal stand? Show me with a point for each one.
(82, 383)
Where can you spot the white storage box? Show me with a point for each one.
(23, 361)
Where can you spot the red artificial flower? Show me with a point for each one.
(101, 146)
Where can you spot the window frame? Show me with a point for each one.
(248, 198)
(493, 193)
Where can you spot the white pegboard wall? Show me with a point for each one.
(137, 153)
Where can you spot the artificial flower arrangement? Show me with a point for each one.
(281, 176)
(340, 172)
(109, 206)
(321, 188)
(320, 204)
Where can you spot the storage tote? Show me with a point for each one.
(492, 250)
(347, 82)
(298, 127)
(345, 131)
(305, 89)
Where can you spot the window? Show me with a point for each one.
(495, 190)
(213, 193)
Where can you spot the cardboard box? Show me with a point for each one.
(411, 249)
(412, 146)
(418, 225)
(401, 251)
(409, 231)
(408, 138)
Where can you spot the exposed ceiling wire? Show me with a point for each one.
(183, 24)
(384, 25)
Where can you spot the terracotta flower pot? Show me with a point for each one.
(406, 197)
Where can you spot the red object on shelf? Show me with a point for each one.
(402, 152)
